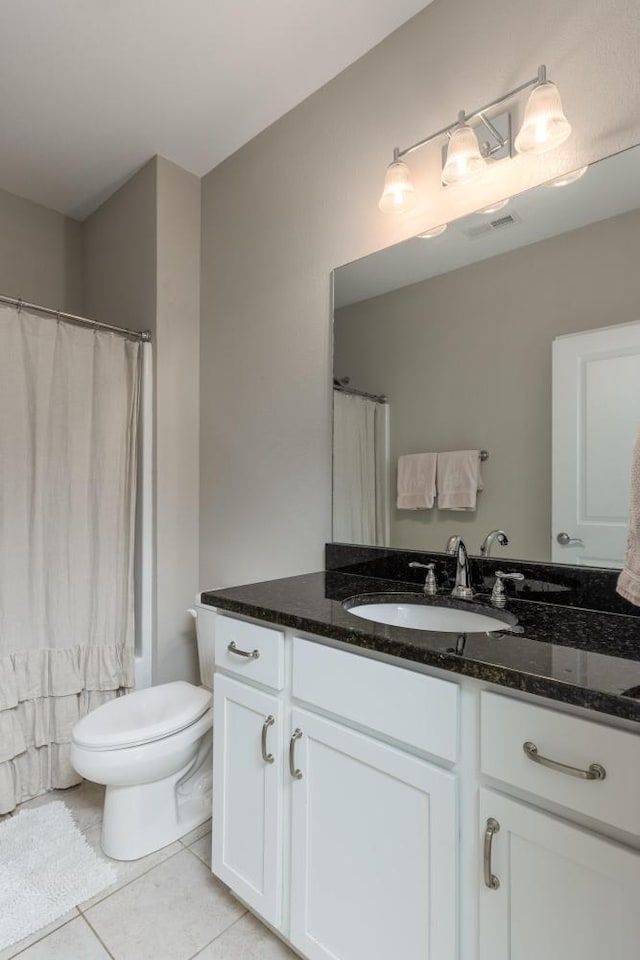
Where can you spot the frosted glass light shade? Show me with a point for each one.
(545, 125)
(567, 178)
(434, 232)
(399, 193)
(494, 207)
(464, 160)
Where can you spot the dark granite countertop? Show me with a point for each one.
(583, 657)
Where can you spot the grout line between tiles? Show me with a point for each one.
(187, 845)
(84, 910)
(198, 858)
(43, 937)
(218, 935)
(97, 936)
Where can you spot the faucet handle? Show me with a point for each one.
(430, 584)
(498, 594)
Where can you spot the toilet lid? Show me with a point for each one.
(142, 716)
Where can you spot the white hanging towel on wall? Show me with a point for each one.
(459, 479)
(629, 580)
(416, 481)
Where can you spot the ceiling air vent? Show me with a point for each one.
(491, 226)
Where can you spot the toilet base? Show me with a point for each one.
(142, 818)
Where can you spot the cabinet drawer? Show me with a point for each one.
(251, 651)
(571, 742)
(404, 705)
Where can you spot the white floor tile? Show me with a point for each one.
(84, 801)
(194, 835)
(170, 913)
(248, 939)
(38, 935)
(74, 941)
(202, 849)
(127, 870)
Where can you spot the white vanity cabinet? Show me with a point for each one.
(550, 888)
(553, 890)
(369, 811)
(325, 826)
(247, 847)
(373, 849)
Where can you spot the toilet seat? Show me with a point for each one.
(142, 717)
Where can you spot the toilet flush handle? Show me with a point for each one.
(193, 613)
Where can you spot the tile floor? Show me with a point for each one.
(167, 906)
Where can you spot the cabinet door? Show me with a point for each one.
(374, 849)
(563, 892)
(247, 795)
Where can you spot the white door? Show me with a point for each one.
(596, 411)
(563, 894)
(247, 795)
(374, 849)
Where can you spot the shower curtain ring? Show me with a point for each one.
(19, 305)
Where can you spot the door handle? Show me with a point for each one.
(267, 757)
(249, 654)
(490, 879)
(295, 773)
(595, 772)
(567, 541)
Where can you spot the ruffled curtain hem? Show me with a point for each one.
(43, 693)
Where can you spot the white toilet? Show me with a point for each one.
(153, 750)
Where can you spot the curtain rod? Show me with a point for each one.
(379, 398)
(144, 335)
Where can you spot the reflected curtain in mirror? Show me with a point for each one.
(360, 469)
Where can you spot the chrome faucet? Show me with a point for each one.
(487, 543)
(456, 548)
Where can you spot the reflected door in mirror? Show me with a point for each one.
(596, 411)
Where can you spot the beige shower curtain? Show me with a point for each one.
(68, 425)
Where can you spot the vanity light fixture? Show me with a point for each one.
(544, 127)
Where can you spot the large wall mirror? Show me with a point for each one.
(516, 332)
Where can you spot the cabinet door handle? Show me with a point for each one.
(490, 879)
(595, 771)
(267, 757)
(295, 773)
(250, 654)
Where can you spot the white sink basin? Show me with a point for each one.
(419, 616)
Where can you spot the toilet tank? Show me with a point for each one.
(205, 618)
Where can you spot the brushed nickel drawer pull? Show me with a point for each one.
(295, 773)
(490, 879)
(267, 757)
(595, 771)
(249, 654)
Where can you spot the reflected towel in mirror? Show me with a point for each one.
(629, 580)
(459, 479)
(416, 481)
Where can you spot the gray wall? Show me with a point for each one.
(40, 254)
(301, 199)
(121, 255)
(142, 256)
(177, 400)
(466, 360)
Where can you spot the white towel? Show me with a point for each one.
(416, 481)
(629, 580)
(458, 479)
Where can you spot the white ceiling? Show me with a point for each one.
(91, 89)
